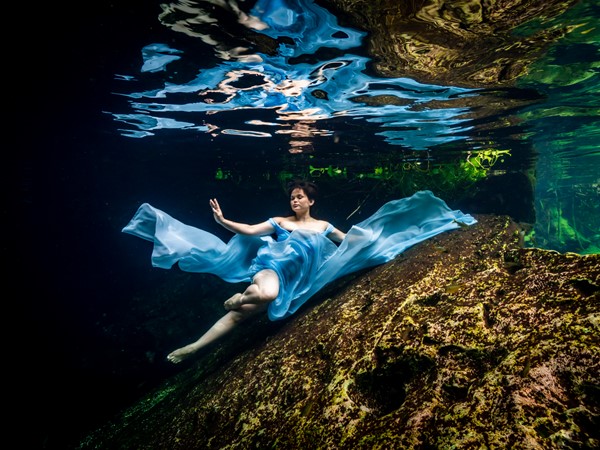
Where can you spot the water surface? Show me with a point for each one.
(287, 78)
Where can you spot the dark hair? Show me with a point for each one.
(309, 188)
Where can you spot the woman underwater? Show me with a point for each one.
(286, 271)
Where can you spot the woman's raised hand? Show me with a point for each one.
(216, 209)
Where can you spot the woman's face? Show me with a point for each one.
(299, 202)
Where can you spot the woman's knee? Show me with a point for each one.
(269, 293)
(267, 283)
(265, 292)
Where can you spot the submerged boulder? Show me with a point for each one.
(466, 340)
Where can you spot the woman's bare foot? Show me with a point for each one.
(234, 302)
(176, 356)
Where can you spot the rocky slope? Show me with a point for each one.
(467, 340)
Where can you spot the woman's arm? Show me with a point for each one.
(336, 235)
(259, 229)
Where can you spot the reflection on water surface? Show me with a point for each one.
(486, 107)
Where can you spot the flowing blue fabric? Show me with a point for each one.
(304, 260)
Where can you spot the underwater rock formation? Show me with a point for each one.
(466, 340)
(470, 43)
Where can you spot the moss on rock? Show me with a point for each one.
(466, 340)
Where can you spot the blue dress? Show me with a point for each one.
(304, 260)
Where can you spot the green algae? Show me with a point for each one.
(392, 360)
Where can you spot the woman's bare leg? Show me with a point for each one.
(264, 289)
(221, 327)
(256, 298)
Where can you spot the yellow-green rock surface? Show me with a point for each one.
(467, 340)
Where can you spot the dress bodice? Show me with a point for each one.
(282, 234)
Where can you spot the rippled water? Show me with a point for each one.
(290, 79)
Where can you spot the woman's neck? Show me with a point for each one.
(303, 217)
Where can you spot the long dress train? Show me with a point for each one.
(304, 260)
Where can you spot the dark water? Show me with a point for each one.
(141, 103)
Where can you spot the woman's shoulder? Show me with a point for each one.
(279, 219)
(277, 222)
(327, 226)
(323, 226)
